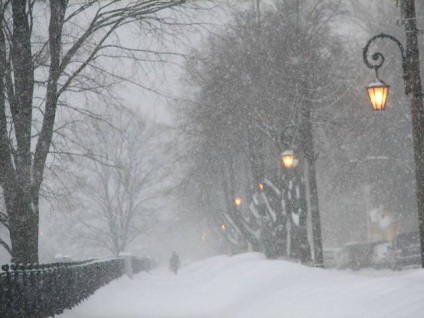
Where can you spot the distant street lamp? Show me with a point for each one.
(413, 88)
(238, 201)
(261, 186)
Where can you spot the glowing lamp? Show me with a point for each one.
(377, 93)
(237, 201)
(287, 158)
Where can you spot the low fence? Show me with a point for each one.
(34, 290)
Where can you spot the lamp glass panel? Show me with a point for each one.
(378, 96)
(288, 160)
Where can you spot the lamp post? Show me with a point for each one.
(413, 88)
(288, 159)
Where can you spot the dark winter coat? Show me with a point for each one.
(174, 262)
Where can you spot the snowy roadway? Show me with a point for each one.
(248, 285)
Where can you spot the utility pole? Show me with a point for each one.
(415, 91)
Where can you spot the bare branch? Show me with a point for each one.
(6, 246)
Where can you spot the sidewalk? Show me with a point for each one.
(248, 286)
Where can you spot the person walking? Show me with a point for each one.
(174, 262)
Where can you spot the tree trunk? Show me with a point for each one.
(234, 212)
(307, 144)
(308, 147)
(23, 225)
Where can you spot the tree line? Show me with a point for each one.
(295, 81)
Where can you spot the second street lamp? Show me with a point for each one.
(289, 160)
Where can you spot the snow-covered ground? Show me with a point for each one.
(248, 285)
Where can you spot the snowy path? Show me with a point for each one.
(249, 286)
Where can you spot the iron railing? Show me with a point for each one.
(45, 290)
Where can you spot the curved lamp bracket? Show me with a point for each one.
(378, 58)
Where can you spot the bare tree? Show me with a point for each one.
(117, 193)
(49, 50)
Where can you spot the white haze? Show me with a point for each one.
(174, 231)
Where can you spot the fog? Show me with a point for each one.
(210, 112)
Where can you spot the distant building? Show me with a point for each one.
(382, 225)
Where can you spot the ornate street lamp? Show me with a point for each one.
(378, 91)
(413, 88)
(287, 158)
